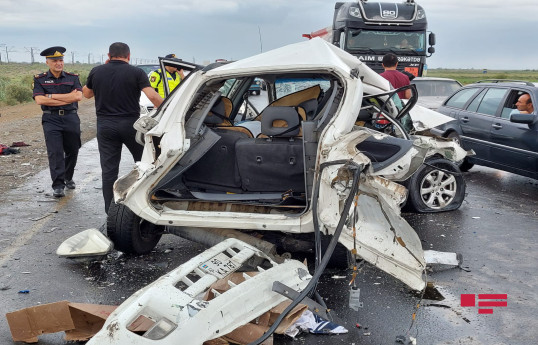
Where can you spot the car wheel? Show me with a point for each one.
(258, 92)
(435, 190)
(464, 165)
(130, 233)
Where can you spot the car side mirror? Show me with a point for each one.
(431, 39)
(528, 119)
(431, 50)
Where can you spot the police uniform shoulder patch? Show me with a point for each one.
(153, 79)
(75, 74)
(41, 75)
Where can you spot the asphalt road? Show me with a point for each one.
(494, 230)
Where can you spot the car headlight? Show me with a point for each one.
(355, 12)
(160, 329)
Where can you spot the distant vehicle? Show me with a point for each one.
(487, 121)
(256, 86)
(148, 68)
(369, 30)
(433, 91)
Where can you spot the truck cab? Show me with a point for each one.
(369, 30)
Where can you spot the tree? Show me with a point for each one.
(8, 50)
(31, 50)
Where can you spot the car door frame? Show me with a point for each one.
(514, 146)
(475, 127)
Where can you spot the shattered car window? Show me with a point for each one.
(290, 85)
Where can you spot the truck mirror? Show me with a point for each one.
(431, 50)
(431, 39)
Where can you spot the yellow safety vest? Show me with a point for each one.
(155, 81)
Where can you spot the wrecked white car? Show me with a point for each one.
(331, 154)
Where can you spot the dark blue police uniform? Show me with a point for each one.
(61, 126)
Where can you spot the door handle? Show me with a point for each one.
(465, 119)
(497, 126)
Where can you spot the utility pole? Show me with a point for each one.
(260, 34)
(1, 46)
(89, 54)
(31, 50)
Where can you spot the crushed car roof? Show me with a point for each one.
(312, 54)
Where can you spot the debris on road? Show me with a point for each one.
(79, 321)
(210, 296)
(86, 245)
(309, 322)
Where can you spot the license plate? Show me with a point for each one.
(220, 266)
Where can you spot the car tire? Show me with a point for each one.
(130, 233)
(464, 165)
(258, 92)
(433, 190)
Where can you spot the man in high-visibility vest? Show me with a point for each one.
(173, 76)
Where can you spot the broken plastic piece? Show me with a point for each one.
(175, 302)
(88, 243)
(24, 291)
(354, 298)
(441, 258)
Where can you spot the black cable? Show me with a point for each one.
(317, 274)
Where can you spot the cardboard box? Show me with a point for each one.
(79, 321)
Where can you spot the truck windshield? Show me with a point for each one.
(402, 43)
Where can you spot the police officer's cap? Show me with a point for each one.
(170, 56)
(54, 53)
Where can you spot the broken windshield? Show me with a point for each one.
(400, 42)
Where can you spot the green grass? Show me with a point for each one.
(468, 76)
(16, 80)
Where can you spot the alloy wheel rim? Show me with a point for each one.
(438, 189)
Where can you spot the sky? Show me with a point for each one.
(493, 34)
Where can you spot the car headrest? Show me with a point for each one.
(217, 114)
(280, 122)
(310, 107)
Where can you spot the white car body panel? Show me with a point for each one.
(385, 239)
(187, 314)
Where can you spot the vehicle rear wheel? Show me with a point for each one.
(258, 92)
(464, 165)
(435, 190)
(130, 233)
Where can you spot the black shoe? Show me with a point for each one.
(70, 184)
(58, 192)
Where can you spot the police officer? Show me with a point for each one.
(173, 76)
(58, 94)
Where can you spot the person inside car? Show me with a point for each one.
(524, 104)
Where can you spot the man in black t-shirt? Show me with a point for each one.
(116, 86)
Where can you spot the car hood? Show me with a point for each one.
(431, 102)
(424, 118)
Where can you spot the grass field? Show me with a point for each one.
(468, 76)
(16, 78)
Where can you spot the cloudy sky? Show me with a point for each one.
(494, 34)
